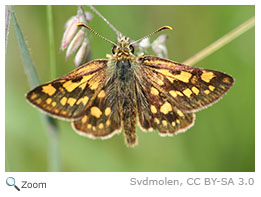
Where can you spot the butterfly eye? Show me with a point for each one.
(132, 49)
(113, 49)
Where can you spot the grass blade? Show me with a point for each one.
(7, 21)
(54, 153)
(31, 74)
(221, 42)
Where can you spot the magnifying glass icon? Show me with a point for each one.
(10, 181)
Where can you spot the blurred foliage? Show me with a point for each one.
(223, 137)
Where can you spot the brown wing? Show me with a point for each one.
(168, 93)
(156, 111)
(189, 88)
(102, 118)
(69, 96)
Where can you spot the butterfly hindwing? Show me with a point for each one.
(156, 111)
(102, 118)
(69, 96)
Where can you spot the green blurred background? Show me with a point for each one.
(223, 137)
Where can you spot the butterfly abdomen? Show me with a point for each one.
(126, 96)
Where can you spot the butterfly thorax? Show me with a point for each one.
(121, 63)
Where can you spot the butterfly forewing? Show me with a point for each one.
(190, 89)
(69, 96)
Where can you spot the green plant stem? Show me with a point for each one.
(7, 21)
(31, 74)
(54, 164)
(53, 141)
(221, 42)
(105, 20)
(24, 52)
(51, 41)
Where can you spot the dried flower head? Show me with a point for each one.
(83, 55)
(158, 45)
(73, 38)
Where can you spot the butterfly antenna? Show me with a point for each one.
(87, 27)
(158, 30)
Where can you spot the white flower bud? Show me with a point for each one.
(158, 46)
(83, 54)
(75, 43)
(88, 16)
(160, 40)
(160, 50)
(145, 43)
(70, 30)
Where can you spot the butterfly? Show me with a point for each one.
(105, 96)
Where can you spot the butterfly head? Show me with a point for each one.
(123, 47)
